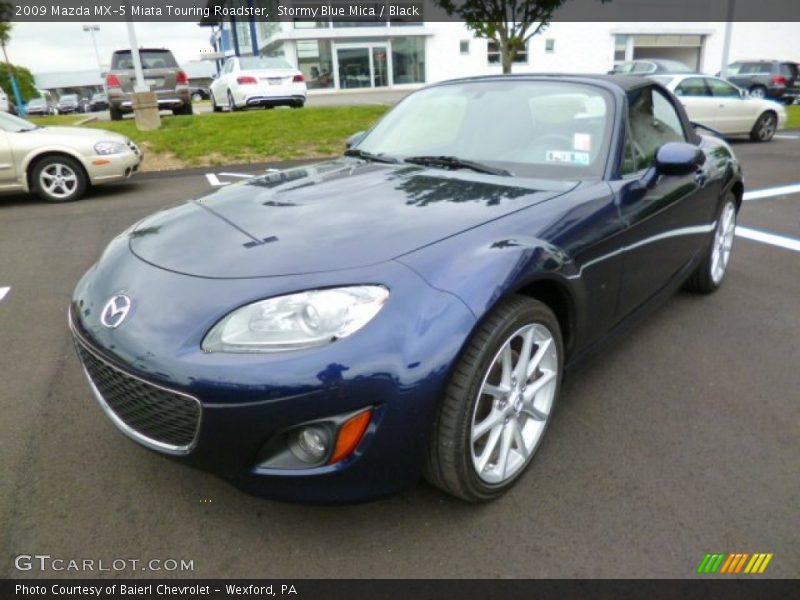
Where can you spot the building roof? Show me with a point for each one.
(68, 79)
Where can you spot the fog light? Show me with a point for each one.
(310, 444)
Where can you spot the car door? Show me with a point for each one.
(8, 171)
(735, 114)
(696, 98)
(666, 223)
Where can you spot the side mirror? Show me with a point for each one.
(214, 76)
(354, 139)
(674, 158)
(679, 158)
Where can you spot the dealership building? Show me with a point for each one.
(340, 56)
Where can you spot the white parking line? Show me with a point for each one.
(783, 190)
(4, 291)
(214, 182)
(783, 136)
(244, 175)
(768, 238)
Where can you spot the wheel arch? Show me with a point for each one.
(32, 159)
(558, 298)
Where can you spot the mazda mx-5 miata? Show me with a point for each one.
(329, 333)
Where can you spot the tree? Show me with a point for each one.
(508, 23)
(5, 37)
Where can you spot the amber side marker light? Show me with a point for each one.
(350, 435)
(100, 161)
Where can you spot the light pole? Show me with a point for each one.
(726, 44)
(91, 29)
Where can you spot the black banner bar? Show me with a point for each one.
(383, 11)
(305, 589)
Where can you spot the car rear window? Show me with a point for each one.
(789, 70)
(151, 59)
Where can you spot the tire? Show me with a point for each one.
(214, 107)
(196, 97)
(710, 273)
(114, 113)
(231, 103)
(47, 172)
(459, 460)
(298, 105)
(765, 127)
(185, 110)
(758, 91)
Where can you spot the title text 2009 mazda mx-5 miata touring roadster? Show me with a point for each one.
(329, 333)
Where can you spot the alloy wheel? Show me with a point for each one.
(758, 92)
(766, 127)
(58, 180)
(723, 242)
(514, 404)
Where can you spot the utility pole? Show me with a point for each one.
(145, 102)
(91, 29)
(726, 46)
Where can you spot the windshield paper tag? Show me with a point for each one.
(568, 157)
(582, 142)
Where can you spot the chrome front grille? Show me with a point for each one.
(154, 416)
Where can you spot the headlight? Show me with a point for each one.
(303, 320)
(110, 148)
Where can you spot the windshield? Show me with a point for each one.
(263, 62)
(530, 128)
(14, 124)
(69, 98)
(36, 102)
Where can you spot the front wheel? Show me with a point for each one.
(58, 179)
(711, 272)
(758, 91)
(765, 127)
(498, 403)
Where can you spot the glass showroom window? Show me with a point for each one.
(493, 54)
(408, 60)
(315, 60)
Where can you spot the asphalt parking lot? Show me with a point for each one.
(680, 439)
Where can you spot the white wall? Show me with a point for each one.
(589, 47)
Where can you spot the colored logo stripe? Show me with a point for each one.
(734, 562)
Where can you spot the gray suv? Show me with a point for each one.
(767, 78)
(161, 74)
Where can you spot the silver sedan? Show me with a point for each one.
(58, 164)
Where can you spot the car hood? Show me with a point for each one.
(72, 134)
(337, 215)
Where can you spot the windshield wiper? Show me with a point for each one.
(355, 152)
(453, 162)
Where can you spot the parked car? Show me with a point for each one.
(68, 103)
(649, 66)
(58, 164)
(248, 81)
(328, 332)
(767, 78)
(161, 74)
(718, 104)
(98, 101)
(199, 93)
(40, 107)
(5, 105)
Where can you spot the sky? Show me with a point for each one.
(54, 47)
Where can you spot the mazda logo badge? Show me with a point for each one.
(115, 311)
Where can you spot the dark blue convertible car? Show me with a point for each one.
(330, 333)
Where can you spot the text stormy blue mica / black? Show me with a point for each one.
(305, 334)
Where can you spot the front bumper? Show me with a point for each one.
(108, 168)
(398, 365)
